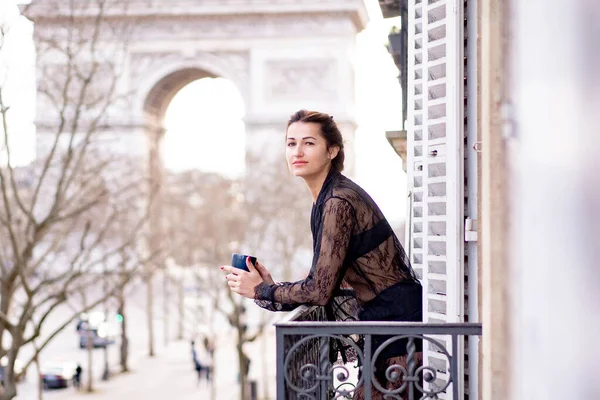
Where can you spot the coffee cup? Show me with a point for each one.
(239, 261)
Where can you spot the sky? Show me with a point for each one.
(378, 94)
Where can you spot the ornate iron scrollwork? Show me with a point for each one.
(313, 378)
(320, 379)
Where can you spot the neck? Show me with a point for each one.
(315, 183)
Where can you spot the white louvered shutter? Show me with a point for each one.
(435, 164)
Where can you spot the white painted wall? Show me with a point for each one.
(553, 140)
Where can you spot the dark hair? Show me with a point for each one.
(329, 130)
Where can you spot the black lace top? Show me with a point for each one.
(353, 246)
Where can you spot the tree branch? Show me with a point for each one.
(6, 321)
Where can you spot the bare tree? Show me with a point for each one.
(277, 205)
(58, 215)
(205, 219)
(278, 232)
(207, 223)
(210, 217)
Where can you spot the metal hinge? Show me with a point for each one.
(470, 230)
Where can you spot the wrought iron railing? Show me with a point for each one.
(309, 365)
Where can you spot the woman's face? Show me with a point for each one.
(306, 150)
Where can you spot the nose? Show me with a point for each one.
(298, 151)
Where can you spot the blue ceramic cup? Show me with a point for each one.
(239, 261)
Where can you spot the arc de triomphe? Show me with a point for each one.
(282, 55)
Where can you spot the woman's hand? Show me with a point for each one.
(264, 273)
(243, 282)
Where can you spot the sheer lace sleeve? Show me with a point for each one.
(273, 306)
(330, 251)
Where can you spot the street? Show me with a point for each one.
(65, 346)
(169, 373)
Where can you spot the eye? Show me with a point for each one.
(309, 143)
(291, 144)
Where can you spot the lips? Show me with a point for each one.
(298, 163)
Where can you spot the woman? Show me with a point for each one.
(353, 244)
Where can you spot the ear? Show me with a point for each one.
(333, 152)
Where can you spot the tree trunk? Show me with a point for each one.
(150, 314)
(166, 306)
(210, 346)
(242, 368)
(90, 351)
(10, 388)
(8, 392)
(106, 368)
(155, 223)
(243, 360)
(40, 381)
(124, 351)
(124, 346)
(181, 306)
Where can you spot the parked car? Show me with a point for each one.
(18, 369)
(57, 374)
(92, 319)
(98, 336)
(95, 325)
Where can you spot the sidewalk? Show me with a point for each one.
(167, 376)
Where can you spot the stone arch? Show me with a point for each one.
(159, 86)
(160, 96)
(281, 55)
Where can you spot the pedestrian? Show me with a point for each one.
(209, 351)
(199, 369)
(77, 376)
(194, 354)
(207, 373)
(354, 247)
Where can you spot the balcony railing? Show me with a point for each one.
(308, 366)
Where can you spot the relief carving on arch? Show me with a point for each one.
(238, 62)
(143, 64)
(231, 26)
(313, 79)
